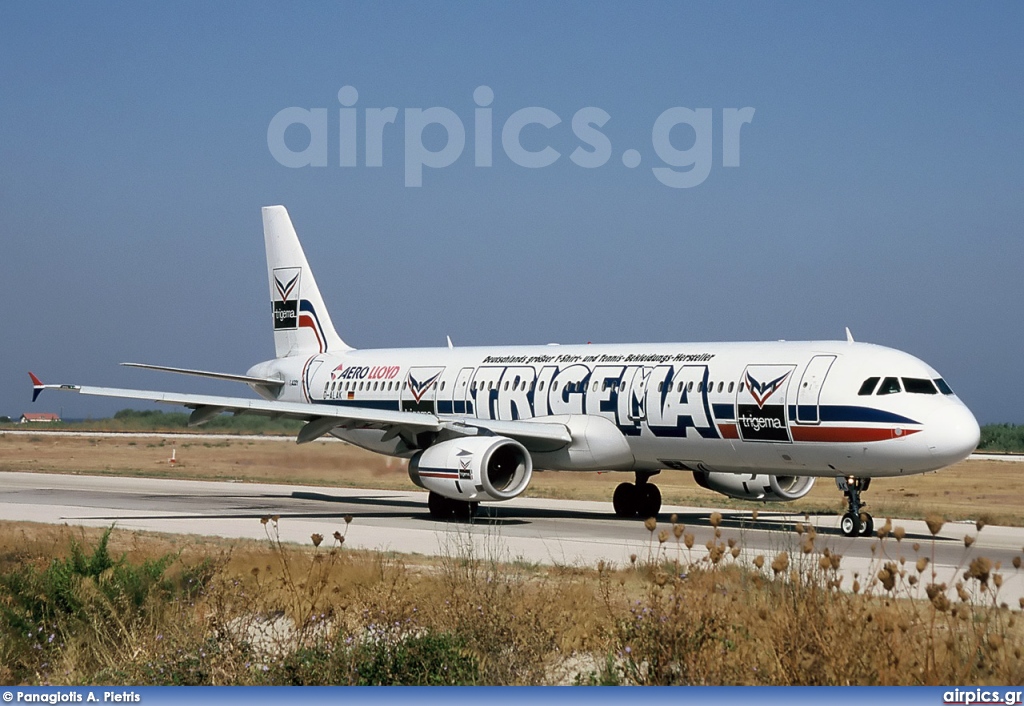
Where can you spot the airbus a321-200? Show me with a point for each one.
(755, 421)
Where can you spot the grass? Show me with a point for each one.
(115, 607)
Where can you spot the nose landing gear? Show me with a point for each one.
(640, 500)
(856, 521)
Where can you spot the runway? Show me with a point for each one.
(574, 533)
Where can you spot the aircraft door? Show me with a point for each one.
(809, 391)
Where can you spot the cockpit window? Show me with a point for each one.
(889, 386)
(868, 387)
(919, 386)
(943, 387)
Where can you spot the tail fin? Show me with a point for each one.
(302, 325)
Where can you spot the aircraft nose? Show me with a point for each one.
(953, 435)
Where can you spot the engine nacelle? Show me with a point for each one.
(473, 468)
(748, 486)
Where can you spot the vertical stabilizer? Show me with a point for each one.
(302, 325)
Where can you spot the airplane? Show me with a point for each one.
(756, 421)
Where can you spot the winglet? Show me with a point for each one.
(37, 386)
(849, 336)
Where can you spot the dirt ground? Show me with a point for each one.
(969, 490)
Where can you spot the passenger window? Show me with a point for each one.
(944, 388)
(541, 388)
(730, 387)
(743, 386)
(595, 386)
(868, 386)
(442, 384)
(700, 386)
(720, 386)
(689, 386)
(659, 386)
(919, 386)
(506, 385)
(889, 386)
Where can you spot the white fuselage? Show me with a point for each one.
(794, 408)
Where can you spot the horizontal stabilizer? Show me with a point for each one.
(248, 379)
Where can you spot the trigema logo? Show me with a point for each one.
(286, 298)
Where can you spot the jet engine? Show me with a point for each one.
(748, 486)
(473, 468)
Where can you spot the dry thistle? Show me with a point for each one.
(688, 541)
(735, 552)
(808, 545)
(962, 592)
(759, 561)
(885, 529)
(934, 522)
(856, 586)
(275, 518)
(899, 533)
(731, 542)
(780, 563)
(718, 532)
(1021, 601)
(824, 563)
(662, 536)
(995, 641)
(338, 537)
(912, 580)
(716, 519)
(968, 540)
(922, 564)
(916, 547)
(1016, 562)
(677, 531)
(937, 595)
(650, 524)
(661, 578)
(753, 515)
(979, 569)
(887, 575)
(673, 518)
(265, 519)
(317, 539)
(997, 579)
(632, 558)
(348, 519)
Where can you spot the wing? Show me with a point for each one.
(322, 418)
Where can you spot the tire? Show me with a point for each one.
(439, 506)
(867, 524)
(624, 500)
(849, 525)
(462, 510)
(649, 501)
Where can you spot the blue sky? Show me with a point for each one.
(879, 185)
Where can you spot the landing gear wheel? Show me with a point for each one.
(462, 510)
(648, 501)
(438, 506)
(624, 500)
(855, 522)
(849, 525)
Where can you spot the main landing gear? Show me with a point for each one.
(442, 508)
(856, 521)
(640, 500)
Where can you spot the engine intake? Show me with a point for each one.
(749, 486)
(473, 468)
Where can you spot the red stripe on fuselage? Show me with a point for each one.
(848, 434)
